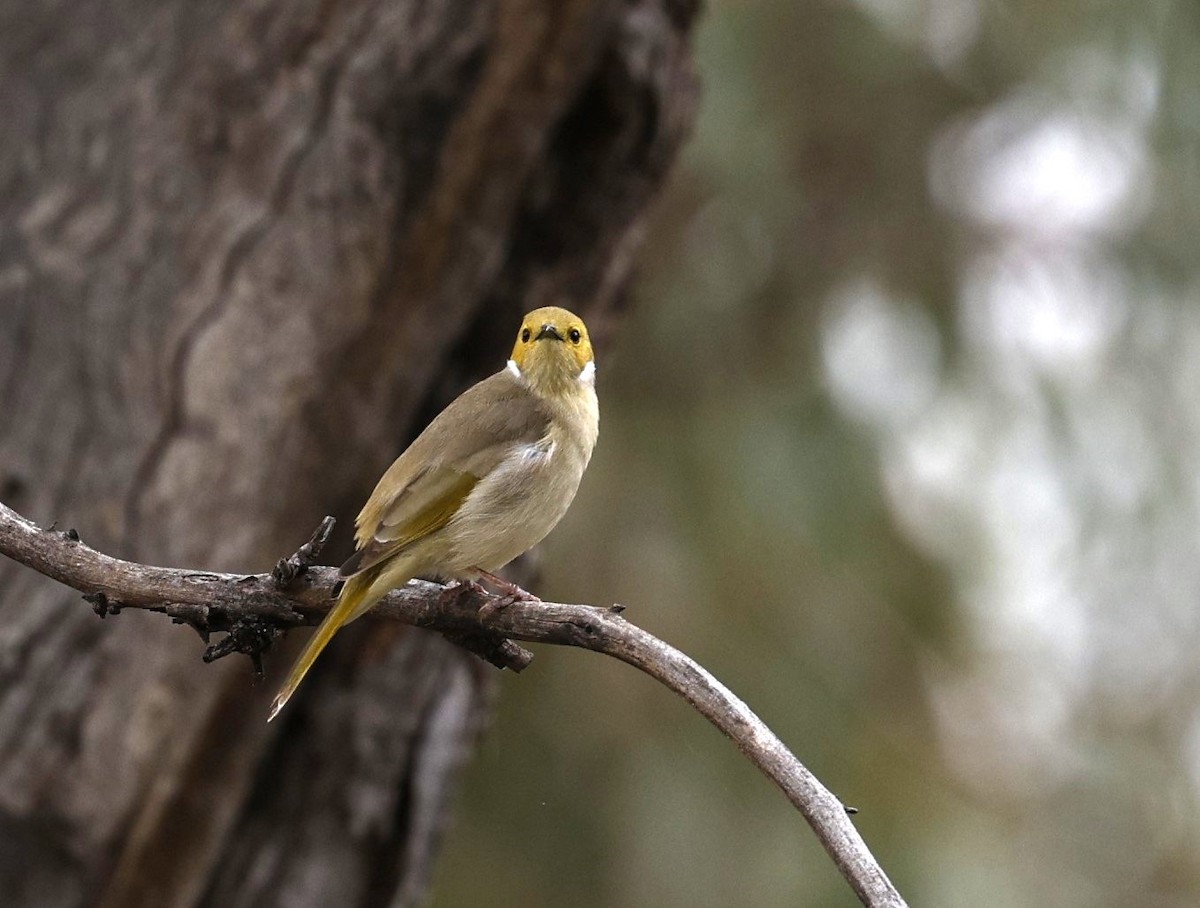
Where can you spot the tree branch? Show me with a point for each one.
(252, 609)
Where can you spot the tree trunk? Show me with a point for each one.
(246, 249)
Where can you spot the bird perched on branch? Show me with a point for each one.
(484, 483)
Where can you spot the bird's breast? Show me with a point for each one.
(520, 501)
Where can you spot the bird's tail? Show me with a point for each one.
(358, 595)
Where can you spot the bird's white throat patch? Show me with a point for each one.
(513, 368)
(588, 374)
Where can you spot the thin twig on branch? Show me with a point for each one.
(252, 609)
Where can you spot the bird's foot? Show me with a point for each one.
(511, 592)
(456, 589)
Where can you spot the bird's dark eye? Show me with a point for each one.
(575, 336)
(524, 335)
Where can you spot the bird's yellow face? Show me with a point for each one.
(553, 349)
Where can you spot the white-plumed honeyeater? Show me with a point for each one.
(485, 482)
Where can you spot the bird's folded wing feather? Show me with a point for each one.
(423, 490)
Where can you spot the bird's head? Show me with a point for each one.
(553, 351)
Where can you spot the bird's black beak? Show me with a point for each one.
(549, 331)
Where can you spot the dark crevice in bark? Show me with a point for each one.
(240, 250)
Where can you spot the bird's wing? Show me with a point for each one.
(426, 504)
(425, 487)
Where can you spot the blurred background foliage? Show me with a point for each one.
(905, 448)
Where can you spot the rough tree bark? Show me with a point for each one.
(245, 249)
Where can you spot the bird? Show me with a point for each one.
(486, 480)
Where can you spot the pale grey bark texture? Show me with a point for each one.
(245, 249)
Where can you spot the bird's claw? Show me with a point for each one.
(454, 591)
(511, 592)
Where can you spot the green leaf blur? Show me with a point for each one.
(903, 444)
